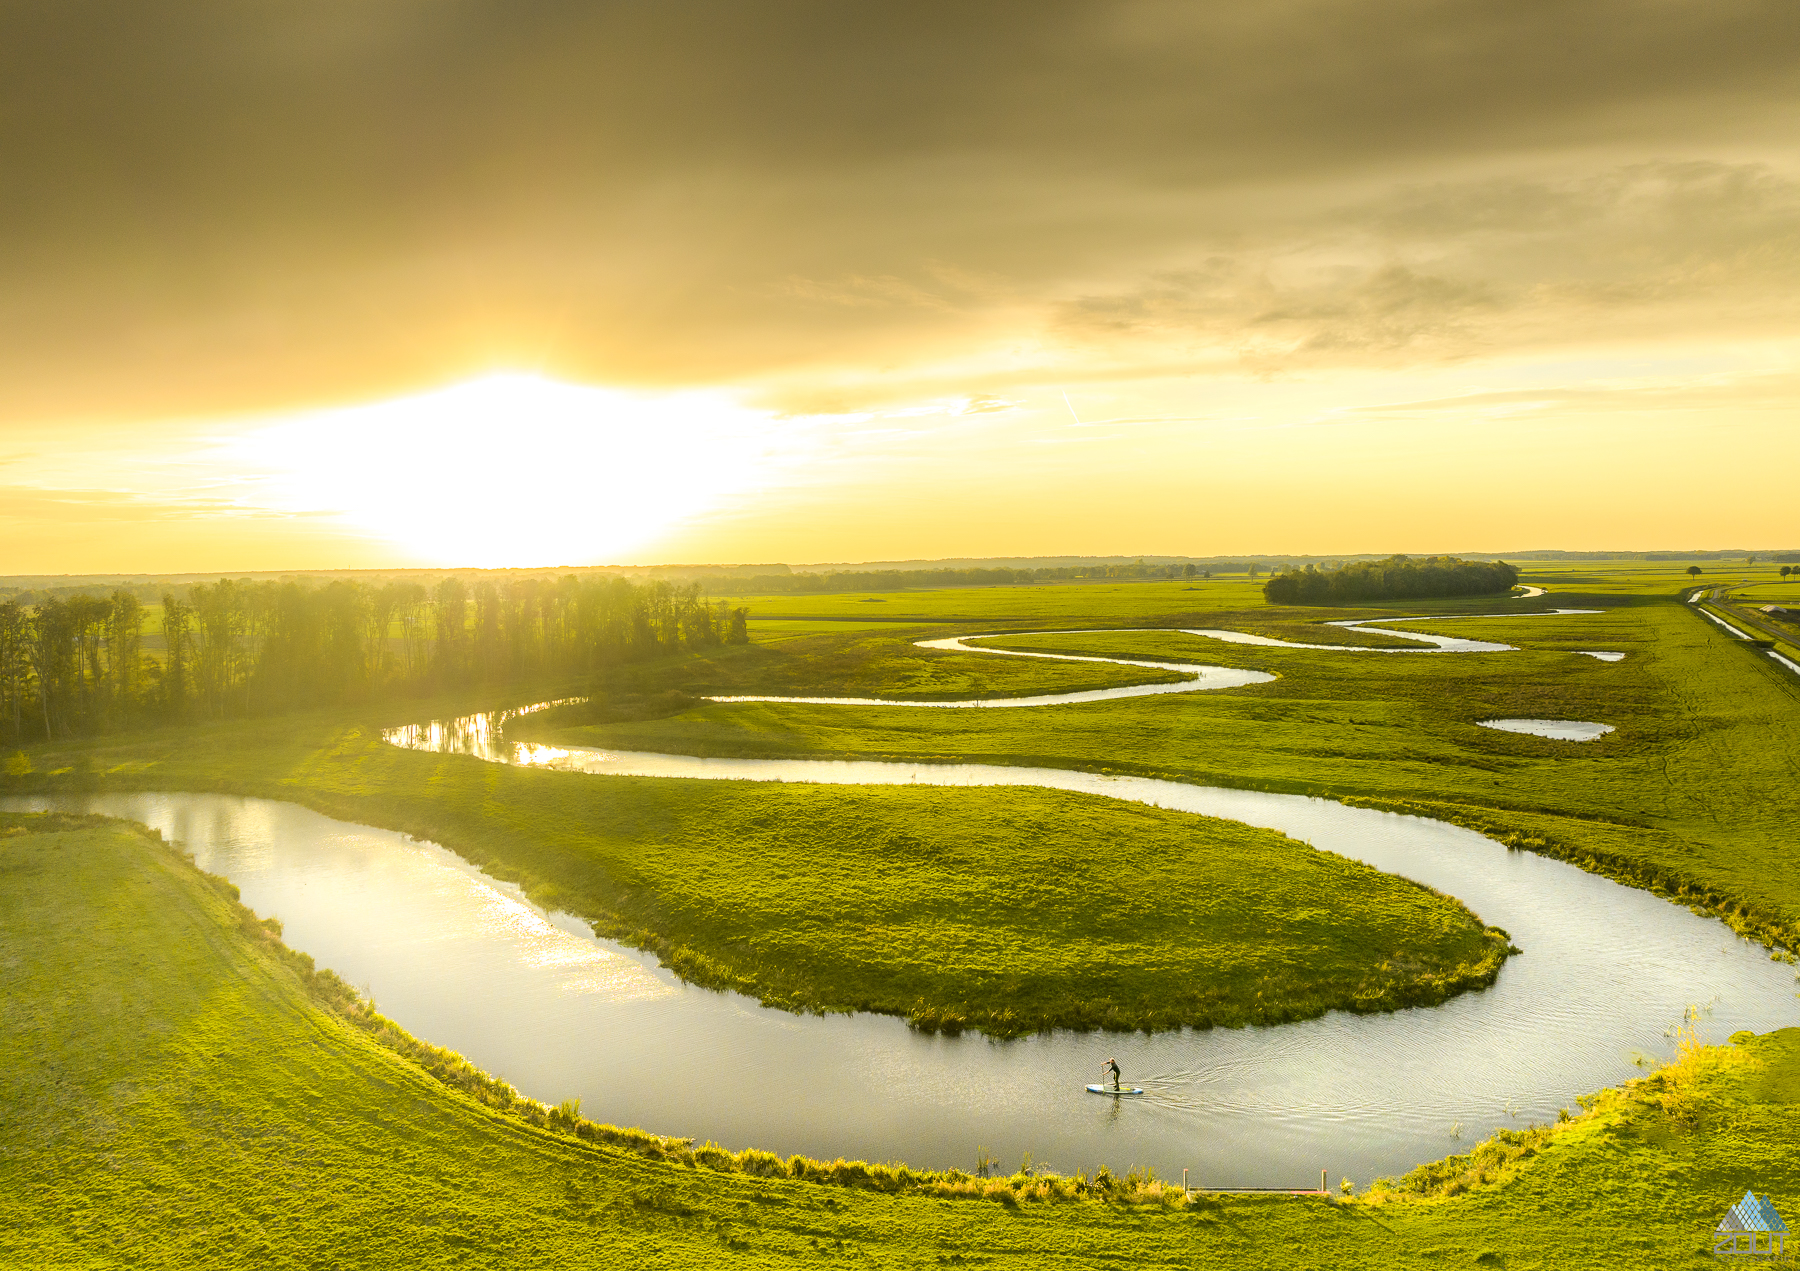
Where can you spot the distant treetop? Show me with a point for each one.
(1396, 578)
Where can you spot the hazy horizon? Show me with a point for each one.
(714, 569)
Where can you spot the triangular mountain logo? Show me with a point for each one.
(1751, 1227)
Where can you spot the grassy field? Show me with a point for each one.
(1741, 605)
(833, 659)
(181, 1093)
(1046, 602)
(1695, 794)
(1047, 909)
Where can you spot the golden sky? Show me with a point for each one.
(372, 282)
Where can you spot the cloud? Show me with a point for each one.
(856, 291)
(1349, 310)
(1453, 270)
(29, 504)
(217, 207)
(1726, 394)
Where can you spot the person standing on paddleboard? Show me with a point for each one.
(1113, 1064)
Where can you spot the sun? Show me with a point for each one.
(516, 469)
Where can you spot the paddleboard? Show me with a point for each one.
(1122, 1090)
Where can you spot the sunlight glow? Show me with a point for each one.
(516, 470)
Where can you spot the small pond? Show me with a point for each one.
(1558, 729)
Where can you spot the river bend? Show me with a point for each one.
(469, 963)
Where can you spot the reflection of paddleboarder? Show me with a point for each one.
(1113, 1065)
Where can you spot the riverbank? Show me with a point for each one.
(1007, 911)
(179, 1097)
(868, 660)
(1695, 793)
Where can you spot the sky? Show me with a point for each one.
(365, 283)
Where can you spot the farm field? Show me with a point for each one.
(179, 1096)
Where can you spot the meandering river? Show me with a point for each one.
(1196, 677)
(467, 962)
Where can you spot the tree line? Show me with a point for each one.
(86, 664)
(976, 576)
(1396, 578)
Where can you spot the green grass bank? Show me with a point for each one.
(183, 1092)
(1006, 910)
(1695, 795)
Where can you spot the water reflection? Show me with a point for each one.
(1557, 729)
(469, 963)
(480, 735)
(1196, 678)
(1378, 626)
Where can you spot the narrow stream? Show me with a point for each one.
(1197, 677)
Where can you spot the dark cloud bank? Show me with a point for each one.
(212, 205)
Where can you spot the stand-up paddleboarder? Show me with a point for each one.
(1113, 1066)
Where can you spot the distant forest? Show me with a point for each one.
(732, 580)
(995, 576)
(1396, 578)
(86, 664)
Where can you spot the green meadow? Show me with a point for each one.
(182, 1091)
(832, 659)
(1742, 606)
(185, 1091)
(1049, 909)
(1695, 794)
(1034, 602)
